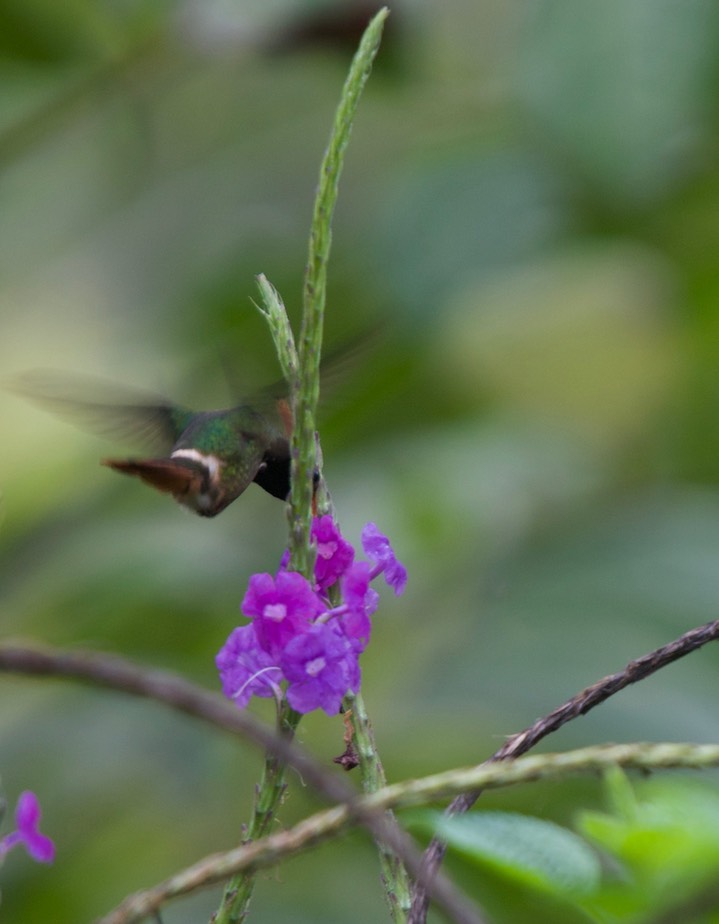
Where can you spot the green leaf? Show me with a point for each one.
(670, 833)
(537, 853)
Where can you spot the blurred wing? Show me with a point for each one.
(111, 411)
(336, 368)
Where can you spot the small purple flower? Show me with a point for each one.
(280, 607)
(334, 554)
(377, 547)
(357, 626)
(357, 593)
(321, 667)
(360, 603)
(245, 669)
(27, 819)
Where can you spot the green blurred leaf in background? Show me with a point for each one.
(529, 213)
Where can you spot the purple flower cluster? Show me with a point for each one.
(296, 637)
(27, 819)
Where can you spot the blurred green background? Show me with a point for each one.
(529, 215)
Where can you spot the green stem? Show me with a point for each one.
(303, 374)
(274, 312)
(236, 898)
(394, 876)
(314, 296)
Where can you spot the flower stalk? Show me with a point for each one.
(304, 456)
(320, 662)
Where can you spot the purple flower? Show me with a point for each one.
(378, 548)
(321, 667)
(357, 593)
(334, 554)
(295, 639)
(245, 669)
(281, 608)
(360, 602)
(27, 819)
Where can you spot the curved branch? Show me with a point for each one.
(578, 705)
(125, 676)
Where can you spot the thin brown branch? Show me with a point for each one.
(120, 674)
(116, 673)
(523, 741)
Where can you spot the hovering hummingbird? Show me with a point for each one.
(205, 459)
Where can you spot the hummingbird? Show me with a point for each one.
(204, 459)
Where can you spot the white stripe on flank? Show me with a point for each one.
(211, 463)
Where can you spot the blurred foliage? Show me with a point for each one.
(653, 856)
(530, 216)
